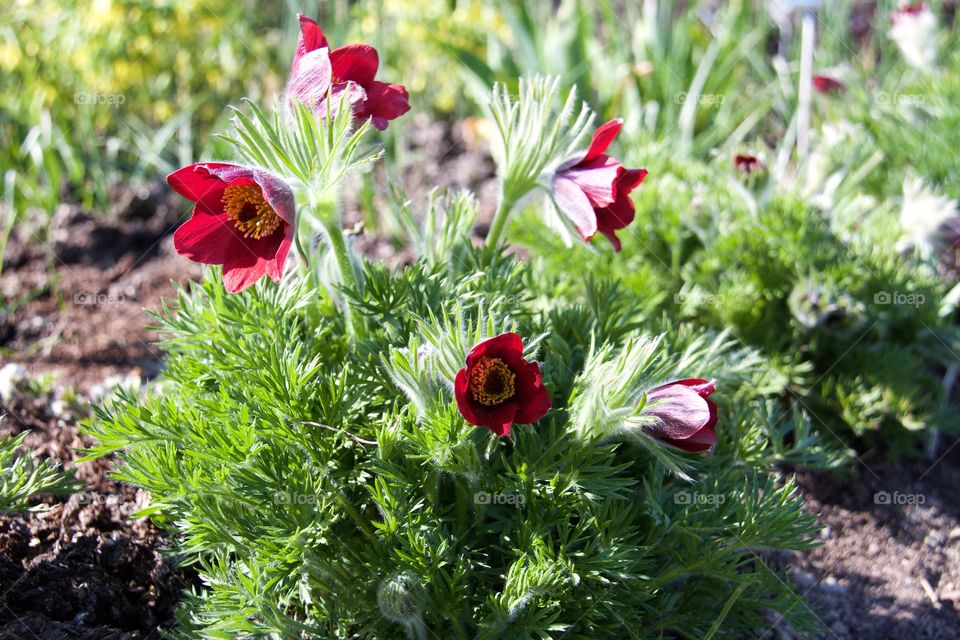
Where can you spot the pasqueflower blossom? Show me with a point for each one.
(914, 29)
(593, 189)
(243, 219)
(747, 164)
(825, 84)
(498, 388)
(685, 416)
(352, 68)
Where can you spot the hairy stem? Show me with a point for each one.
(326, 213)
(499, 224)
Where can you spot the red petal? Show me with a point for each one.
(506, 346)
(630, 179)
(532, 397)
(680, 410)
(238, 276)
(195, 181)
(617, 216)
(701, 385)
(602, 138)
(356, 62)
(278, 195)
(573, 203)
(612, 237)
(702, 440)
(826, 84)
(208, 238)
(385, 102)
(275, 266)
(254, 260)
(310, 78)
(462, 394)
(502, 419)
(597, 179)
(311, 37)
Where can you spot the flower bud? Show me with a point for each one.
(399, 599)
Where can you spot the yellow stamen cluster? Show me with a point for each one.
(250, 211)
(492, 381)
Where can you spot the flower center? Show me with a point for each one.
(492, 381)
(249, 210)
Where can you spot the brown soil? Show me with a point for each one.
(888, 567)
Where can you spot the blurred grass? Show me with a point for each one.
(107, 92)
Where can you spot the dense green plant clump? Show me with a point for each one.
(334, 490)
(353, 451)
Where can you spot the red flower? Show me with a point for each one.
(826, 84)
(498, 387)
(593, 189)
(685, 415)
(243, 219)
(913, 9)
(316, 68)
(747, 164)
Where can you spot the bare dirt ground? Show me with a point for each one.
(85, 569)
(888, 566)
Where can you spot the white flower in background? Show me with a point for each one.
(822, 178)
(929, 218)
(916, 32)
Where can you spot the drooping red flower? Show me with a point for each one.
(747, 164)
(685, 415)
(352, 67)
(593, 189)
(243, 219)
(498, 388)
(825, 84)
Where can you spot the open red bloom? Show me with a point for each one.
(826, 84)
(593, 189)
(498, 388)
(352, 67)
(747, 164)
(243, 219)
(685, 415)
